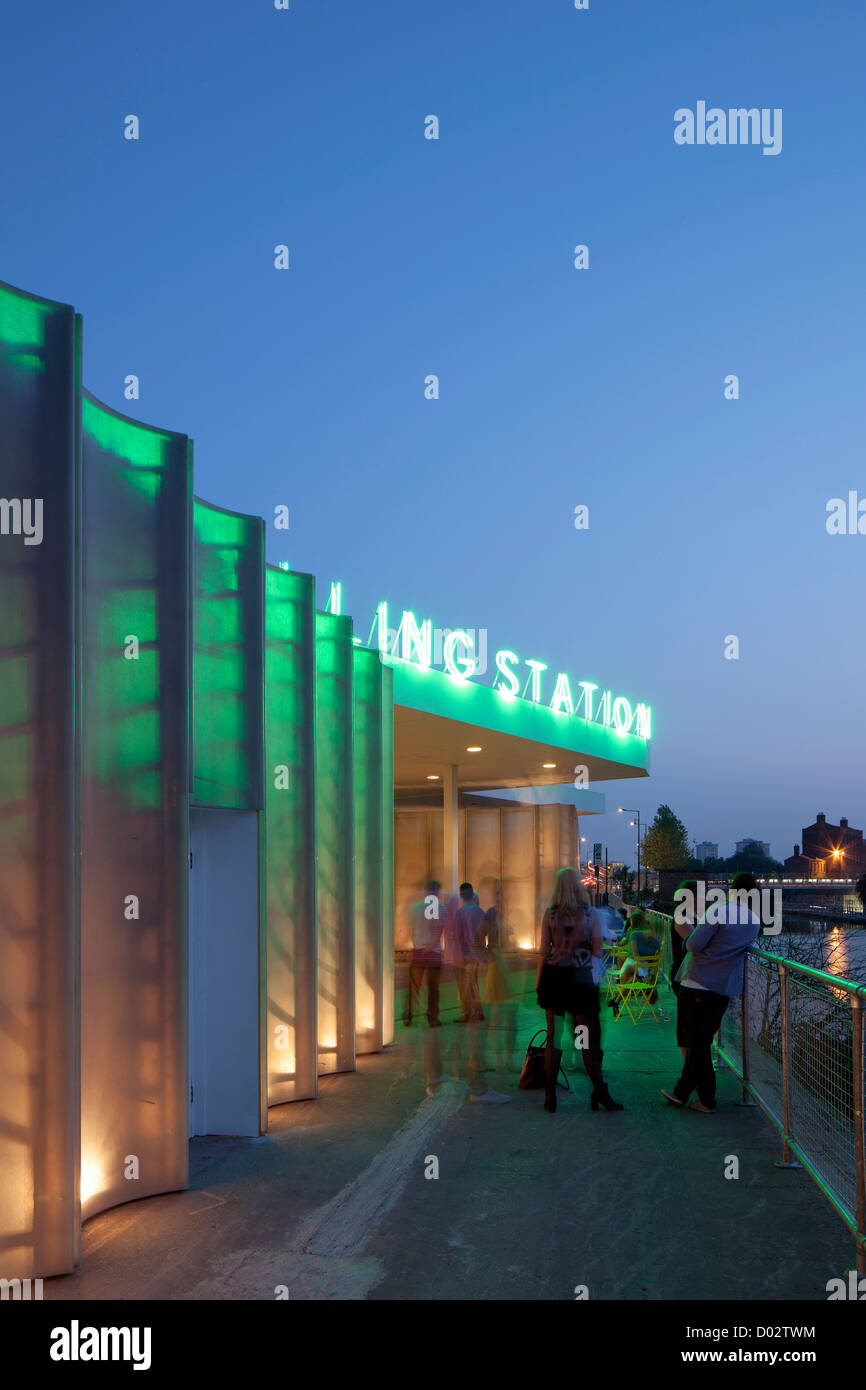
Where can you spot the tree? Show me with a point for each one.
(861, 890)
(666, 843)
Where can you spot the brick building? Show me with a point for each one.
(840, 847)
(803, 867)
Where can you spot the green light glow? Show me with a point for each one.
(22, 320)
(416, 648)
(290, 818)
(536, 668)
(136, 444)
(28, 361)
(622, 715)
(562, 695)
(334, 823)
(416, 638)
(226, 569)
(504, 661)
(471, 702)
(335, 600)
(124, 729)
(468, 665)
(587, 687)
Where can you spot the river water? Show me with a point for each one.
(840, 950)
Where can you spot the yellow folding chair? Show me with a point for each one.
(617, 955)
(635, 996)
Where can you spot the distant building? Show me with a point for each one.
(743, 845)
(801, 866)
(839, 847)
(706, 850)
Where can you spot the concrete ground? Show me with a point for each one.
(334, 1203)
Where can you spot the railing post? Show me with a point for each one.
(859, 1141)
(744, 1034)
(786, 1161)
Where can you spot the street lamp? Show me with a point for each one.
(634, 812)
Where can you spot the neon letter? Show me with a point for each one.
(643, 717)
(503, 660)
(536, 667)
(562, 694)
(382, 614)
(622, 715)
(587, 687)
(469, 666)
(418, 638)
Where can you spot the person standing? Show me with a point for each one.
(426, 956)
(468, 925)
(570, 940)
(499, 992)
(710, 976)
(678, 949)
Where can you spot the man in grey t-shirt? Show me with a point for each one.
(710, 975)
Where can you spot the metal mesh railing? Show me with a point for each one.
(795, 1041)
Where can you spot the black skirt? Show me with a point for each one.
(560, 991)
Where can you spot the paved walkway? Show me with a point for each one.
(334, 1202)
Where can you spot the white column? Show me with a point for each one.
(451, 832)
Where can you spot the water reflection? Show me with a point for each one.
(840, 950)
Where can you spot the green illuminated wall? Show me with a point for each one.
(135, 769)
(290, 795)
(228, 580)
(149, 660)
(335, 879)
(39, 724)
(374, 816)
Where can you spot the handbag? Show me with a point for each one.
(532, 1076)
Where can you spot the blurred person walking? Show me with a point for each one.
(498, 991)
(427, 918)
(571, 938)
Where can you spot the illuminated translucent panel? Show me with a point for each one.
(228, 562)
(374, 868)
(509, 854)
(134, 809)
(39, 724)
(388, 858)
(334, 839)
(138, 445)
(22, 318)
(290, 722)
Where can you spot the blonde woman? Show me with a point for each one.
(570, 939)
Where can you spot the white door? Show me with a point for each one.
(225, 973)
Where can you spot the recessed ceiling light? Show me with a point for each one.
(474, 749)
(548, 764)
(432, 776)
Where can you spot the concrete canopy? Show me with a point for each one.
(438, 717)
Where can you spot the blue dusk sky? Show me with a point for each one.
(558, 387)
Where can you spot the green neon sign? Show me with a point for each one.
(412, 642)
